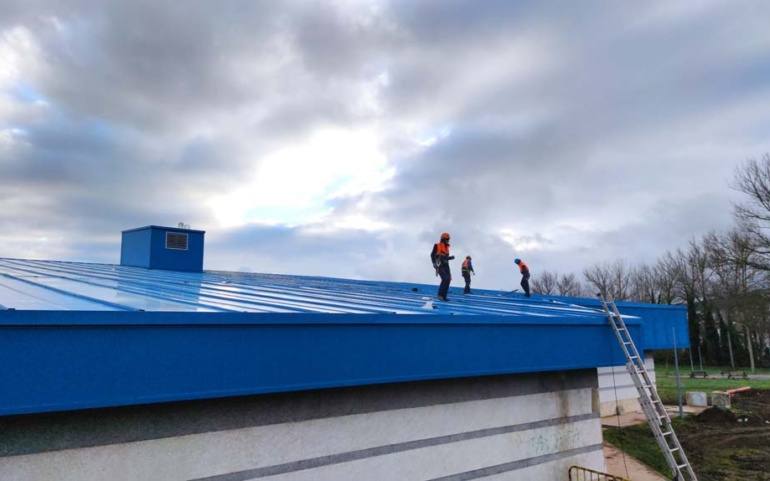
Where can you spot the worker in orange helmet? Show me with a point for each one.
(467, 270)
(524, 269)
(440, 258)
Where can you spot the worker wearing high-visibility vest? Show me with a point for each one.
(467, 270)
(524, 270)
(440, 258)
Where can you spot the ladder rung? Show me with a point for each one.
(668, 433)
(673, 450)
(680, 466)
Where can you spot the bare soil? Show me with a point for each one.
(714, 415)
(731, 445)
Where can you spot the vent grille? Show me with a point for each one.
(176, 241)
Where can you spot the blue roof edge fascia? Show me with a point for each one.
(72, 360)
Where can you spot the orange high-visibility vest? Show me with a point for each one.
(523, 267)
(442, 249)
(466, 264)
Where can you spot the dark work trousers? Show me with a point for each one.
(446, 278)
(525, 284)
(467, 277)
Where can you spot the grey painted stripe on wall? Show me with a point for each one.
(520, 464)
(619, 386)
(97, 427)
(345, 457)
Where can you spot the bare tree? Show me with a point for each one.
(696, 286)
(753, 179)
(740, 297)
(667, 274)
(655, 283)
(644, 285)
(545, 283)
(610, 279)
(599, 277)
(569, 285)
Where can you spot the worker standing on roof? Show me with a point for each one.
(467, 270)
(440, 258)
(524, 269)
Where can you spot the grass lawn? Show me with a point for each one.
(666, 382)
(715, 370)
(638, 442)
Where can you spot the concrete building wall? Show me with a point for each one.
(513, 427)
(617, 393)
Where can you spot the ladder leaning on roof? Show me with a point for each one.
(653, 408)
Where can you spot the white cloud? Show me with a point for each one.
(522, 242)
(297, 181)
(16, 47)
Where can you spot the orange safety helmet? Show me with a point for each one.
(445, 235)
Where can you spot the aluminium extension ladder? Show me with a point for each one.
(653, 408)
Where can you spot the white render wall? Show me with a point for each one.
(529, 427)
(615, 384)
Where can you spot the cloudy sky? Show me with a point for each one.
(340, 138)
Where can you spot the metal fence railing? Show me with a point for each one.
(579, 473)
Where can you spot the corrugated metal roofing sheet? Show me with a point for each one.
(79, 335)
(57, 285)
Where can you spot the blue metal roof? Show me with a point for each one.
(77, 335)
(57, 285)
(665, 326)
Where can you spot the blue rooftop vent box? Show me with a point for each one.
(168, 248)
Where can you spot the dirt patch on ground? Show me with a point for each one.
(753, 405)
(730, 445)
(715, 415)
